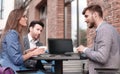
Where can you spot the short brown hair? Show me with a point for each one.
(94, 8)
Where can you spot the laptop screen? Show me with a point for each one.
(60, 46)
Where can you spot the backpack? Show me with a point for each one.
(6, 70)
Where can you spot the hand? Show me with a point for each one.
(38, 51)
(29, 50)
(43, 47)
(33, 52)
(80, 48)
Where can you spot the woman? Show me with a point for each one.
(12, 49)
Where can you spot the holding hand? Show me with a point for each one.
(80, 48)
(38, 51)
(29, 50)
(33, 52)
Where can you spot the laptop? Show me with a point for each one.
(60, 46)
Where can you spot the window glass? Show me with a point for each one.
(78, 25)
(1, 9)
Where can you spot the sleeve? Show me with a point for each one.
(102, 46)
(14, 48)
(39, 43)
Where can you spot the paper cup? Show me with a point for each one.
(43, 47)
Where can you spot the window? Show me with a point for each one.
(78, 26)
(43, 18)
(67, 18)
(1, 9)
(43, 12)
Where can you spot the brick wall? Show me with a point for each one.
(55, 17)
(67, 20)
(54, 20)
(34, 14)
(111, 10)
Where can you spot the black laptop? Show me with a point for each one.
(60, 46)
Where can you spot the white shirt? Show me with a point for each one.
(32, 41)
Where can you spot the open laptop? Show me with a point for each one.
(60, 46)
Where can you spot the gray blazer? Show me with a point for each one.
(31, 63)
(105, 52)
(27, 44)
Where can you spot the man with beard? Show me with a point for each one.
(105, 52)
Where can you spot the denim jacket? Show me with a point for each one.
(11, 55)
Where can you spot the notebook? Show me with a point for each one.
(60, 46)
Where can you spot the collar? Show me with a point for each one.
(31, 39)
(99, 25)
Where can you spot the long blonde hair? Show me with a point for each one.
(13, 23)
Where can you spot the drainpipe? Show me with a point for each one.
(78, 29)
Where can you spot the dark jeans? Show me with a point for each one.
(39, 65)
(34, 64)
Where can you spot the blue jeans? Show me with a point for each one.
(52, 62)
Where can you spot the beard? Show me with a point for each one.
(91, 25)
(35, 36)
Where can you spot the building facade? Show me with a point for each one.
(52, 13)
(56, 15)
